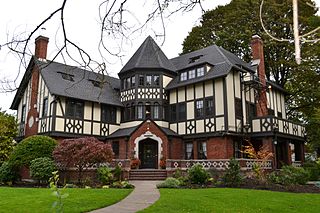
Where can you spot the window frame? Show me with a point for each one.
(186, 156)
(108, 113)
(182, 111)
(45, 107)
(184, 76)
(74, 109)
(116, 147)
(199, 112)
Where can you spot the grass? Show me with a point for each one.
(40, 199)
(233, 200)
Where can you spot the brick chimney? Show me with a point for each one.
(41, 47)
(257, 53)
(31, 127)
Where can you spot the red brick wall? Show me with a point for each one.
(177, 149)
(220, 148)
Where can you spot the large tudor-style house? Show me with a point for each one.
(201, 107)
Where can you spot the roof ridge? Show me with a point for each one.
(222, 54)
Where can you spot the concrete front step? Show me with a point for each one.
(149, 174)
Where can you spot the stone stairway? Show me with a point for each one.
(147, 174)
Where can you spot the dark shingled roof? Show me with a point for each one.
(82, 87)
(220, 59)
(126, 132)
(148, 56)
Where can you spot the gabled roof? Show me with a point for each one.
(220, 60)
(80, 88)
(127, 132)
(148, 56)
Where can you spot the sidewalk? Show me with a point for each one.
(144, 195)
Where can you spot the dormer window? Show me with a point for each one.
(192, 74)
(200, 71)
(183, 76)
(67, 76)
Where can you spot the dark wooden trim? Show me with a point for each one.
(225, 103)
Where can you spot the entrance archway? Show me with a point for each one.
(148, 154)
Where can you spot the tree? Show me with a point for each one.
(8, 131)
(30, 148)
(231, 26)
(82, 153)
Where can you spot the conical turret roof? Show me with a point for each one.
(148, 56)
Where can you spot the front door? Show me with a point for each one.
(148, 154)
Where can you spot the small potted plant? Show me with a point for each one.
(163, 163)
(135, 163)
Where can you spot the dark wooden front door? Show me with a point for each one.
(148, 154)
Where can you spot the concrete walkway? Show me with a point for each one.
(144, 195)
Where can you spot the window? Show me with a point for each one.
(182, 111)
(133, 81)
(141, 80)
(148, 80)
(251, 110)
(127, 112)
(192, 74)
(140, 111)
(189, 151)
(115, 148)
(200, 71)
(209, 107)
(128, 83)
(199, 108)
(202, 150)
(66, 76)
(45, 107)
(133, 112)
(270, 112)
(237, 149)
(108, 114)
(279, 114)
(23, 114)
(173, 113)
(238, 108)
(183, 76)
(74, 109)
(156, 113)
(156, 80)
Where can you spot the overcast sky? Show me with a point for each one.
(82, 22)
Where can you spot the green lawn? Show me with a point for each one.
(40, 200)
(233, 200)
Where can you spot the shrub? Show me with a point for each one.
(177, 173)
(313, 168)
(197, 174)
(41, 169)
(31, 148)
(232, 177)
(117, 173)
(105, 175)
(170, 182)
(289, 175)
(7, 173)
(122, 185)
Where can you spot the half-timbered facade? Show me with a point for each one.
(204, 106)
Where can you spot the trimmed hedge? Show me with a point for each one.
(41, 169)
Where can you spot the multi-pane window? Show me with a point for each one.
(182, 111)
(115, 148)
(140, 111)
(173, 113)
(202, 150)
(189, 150)
(183, 76)
(141, 80)
(238, 108)
(128, 83)
(192, 74)
(251, 110)
(74, 108)
(108, 114)
(156, 110)
(45, 107)
(209, 107)
(199, 108)
(148, 80)
(23, 114)
(133, 81)
(156, 80)
(200, 71)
